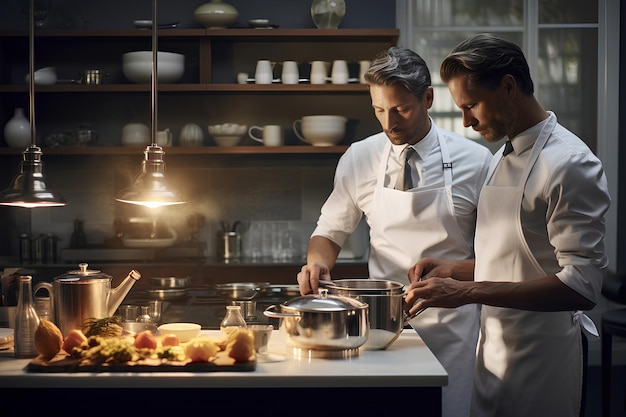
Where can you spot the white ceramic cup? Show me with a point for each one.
(242, 78)
(271, 135)
(364, 65)
(319, 72)
(290, 74)
(339, 73)
(263, 73)
(164, 138)
(135, 134)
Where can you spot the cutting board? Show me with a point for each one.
(64, 363)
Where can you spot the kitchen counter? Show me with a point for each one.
(407, 371)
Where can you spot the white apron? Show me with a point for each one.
(406, 226)
(528, 363)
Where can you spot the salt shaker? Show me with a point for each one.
(233, 320)
(26, 321)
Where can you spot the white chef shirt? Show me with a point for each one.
(563, 207)
(356, 174)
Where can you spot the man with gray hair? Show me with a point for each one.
(429, 212)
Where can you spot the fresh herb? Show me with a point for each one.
(106, 327)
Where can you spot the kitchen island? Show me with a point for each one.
(405, 375)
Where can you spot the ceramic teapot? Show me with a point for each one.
(85, 294)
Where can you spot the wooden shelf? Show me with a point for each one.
(253, 35)
(185, 150)
(192, 88)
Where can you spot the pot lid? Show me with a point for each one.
(83, 273)
(324, 303)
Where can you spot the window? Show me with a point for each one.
(559, 38)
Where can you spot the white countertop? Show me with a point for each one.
(406, 363)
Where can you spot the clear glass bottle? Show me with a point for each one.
(144, 316)
(327, 14)
(233, 320)
(26, 321)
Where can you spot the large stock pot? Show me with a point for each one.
(322, 325)
(385, 299)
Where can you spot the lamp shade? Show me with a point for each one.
(150, 188)
(29, 188)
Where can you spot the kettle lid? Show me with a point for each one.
(83, 272)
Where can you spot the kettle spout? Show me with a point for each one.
(116, 296)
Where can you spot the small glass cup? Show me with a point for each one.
(155, 309)
(262, 334)
(128, 312)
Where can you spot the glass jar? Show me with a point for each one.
(327, 14)
(233, 320)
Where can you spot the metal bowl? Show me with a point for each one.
(169, 282)
(242, 290)
(167, 294)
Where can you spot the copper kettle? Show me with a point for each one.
(85, 294)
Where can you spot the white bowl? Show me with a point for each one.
(227, 140)
(137, 66)
(228, 129)
(44, 76)
(215, 14)
(184, 331)
(321, 130)
(228, 134)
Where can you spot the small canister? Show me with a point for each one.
(228, 245)
(25, 254)
(51, 249)
(37, 249)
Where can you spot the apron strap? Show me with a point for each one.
(585, 323)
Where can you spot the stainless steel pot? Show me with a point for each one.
(386, 307)
(323, 325)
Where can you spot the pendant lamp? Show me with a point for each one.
(150, 188)
(29, 188)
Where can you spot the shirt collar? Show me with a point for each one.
(423, 147)
(526, 139)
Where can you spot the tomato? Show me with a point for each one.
(72, 340)
(145, 339)
(170, 340)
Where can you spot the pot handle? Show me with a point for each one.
(408, 318)
(271, 312)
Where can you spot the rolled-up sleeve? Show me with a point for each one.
(577, 201)
(340, 214)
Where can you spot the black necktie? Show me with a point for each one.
(407, 183)
(508, 148)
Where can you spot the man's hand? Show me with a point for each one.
(437, 292)
(426, 268)
(310, 275)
